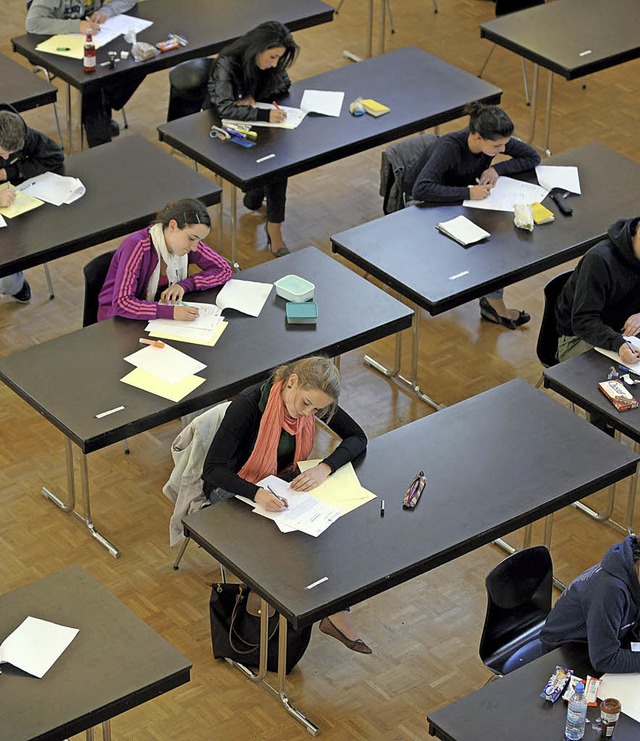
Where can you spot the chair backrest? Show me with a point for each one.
(504, 7)
(188, 87)
(400, 166)
(518, 601)
(547, 345)
(95, 273)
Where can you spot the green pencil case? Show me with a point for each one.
(302, 313)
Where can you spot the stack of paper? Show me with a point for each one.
(21, 205)
(464, 232)
(164, 371)
(325, 102)
(35, 645)
(53, 188)
(508, 191)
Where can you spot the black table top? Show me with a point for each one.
(84, 368)
(405, 250)
(21, 88)
(483, 481)
(511, 707)
(208, 26)
(571, 37)
(115, 662)
(421, 90)
(577, 379)
(127, 181)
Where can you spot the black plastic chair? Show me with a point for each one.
(547, 345)
(400, 166)
(188, 87)
(95, 272)
(519, 600)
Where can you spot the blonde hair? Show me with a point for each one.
(316, 372)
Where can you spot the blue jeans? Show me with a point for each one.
(11, 284)
(219, 495)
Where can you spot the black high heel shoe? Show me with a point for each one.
(278, 253)
(491, 315)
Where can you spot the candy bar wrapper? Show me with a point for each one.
(618, 395)
(556, 684)
(571, 687)
(591, 691)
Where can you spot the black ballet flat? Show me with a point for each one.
(488, 313)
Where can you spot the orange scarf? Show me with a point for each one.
(263, 460)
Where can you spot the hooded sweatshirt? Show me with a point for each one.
(602, 608)
(64, 16)
(603, 291)
(39, 154)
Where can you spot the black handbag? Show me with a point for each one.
(234, 610)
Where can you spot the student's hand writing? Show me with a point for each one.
(629, 355)
(479, 192)
(270, 502)
(277, 115)
(172, 294)
(311, 478)
(7, 197)
(98, 17)
(185, 313)
(488, 177)
(632, 326)
(89, 27)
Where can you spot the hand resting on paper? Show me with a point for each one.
(98, 17)
(172, 294)
(269, 501)
(488, 177)
(89, 27)
(311, 478)
(632, 326)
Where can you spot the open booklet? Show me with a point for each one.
(325, 102)
(53, 188)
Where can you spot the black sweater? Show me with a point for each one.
(453, 167)
(39, 154)
(232, 445)
(603, 291)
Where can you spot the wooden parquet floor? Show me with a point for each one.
(425, 633)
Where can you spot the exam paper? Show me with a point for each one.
(207, 339)
(53, 188)
(166, 363)
(35, 645)
(508, 191)
(21, 205)
(554, 176)
(209, 318)
(635, 342)
(146, 381)
(624, 687)
(327, 102)
(341, 489)
(292, 121)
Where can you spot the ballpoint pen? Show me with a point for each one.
(153, 343)
(277, 496)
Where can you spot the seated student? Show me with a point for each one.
(83, 16)
(600, 303)
(267, 429)
(148, 275)
(601, 608)
(253, 69)
(24, 152)
(461, 167)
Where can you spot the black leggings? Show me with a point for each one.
(276, 194)
(97, 105)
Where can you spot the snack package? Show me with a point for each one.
(591, 691)
(541, 214)
(571, 687)
(618, 395)
(523, 216)
(141, 51)
(556, 684)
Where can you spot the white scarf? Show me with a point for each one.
(177, 267)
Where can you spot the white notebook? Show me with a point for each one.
(464, 232)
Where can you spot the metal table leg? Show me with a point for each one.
(534, 103)
(69, 122)
(69, 506)
(547, 113)
(233, 209)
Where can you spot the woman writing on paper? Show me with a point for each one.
(253, 69)
(148, 275)
(461, 167)
(267, 429)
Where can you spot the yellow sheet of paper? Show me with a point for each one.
(342, 489)
(210, 341)
(142, 379)
(72, 42)
(23, 203)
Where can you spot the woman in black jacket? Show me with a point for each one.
(253, 69)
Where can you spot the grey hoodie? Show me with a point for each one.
(63, 16)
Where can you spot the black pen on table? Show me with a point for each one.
(382, 508)
(277, 496)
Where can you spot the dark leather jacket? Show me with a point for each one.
(225, 88)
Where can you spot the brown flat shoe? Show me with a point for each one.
(359, 646)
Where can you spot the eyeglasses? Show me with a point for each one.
(414, 492)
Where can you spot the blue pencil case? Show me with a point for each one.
(302, 313)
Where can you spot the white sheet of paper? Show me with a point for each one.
(635, 368)
(554, 176)
(35, 645)
(2, 221)
(53, 188)
(118, 25)
(166, 363)
(635, 646)
(246, 296)
(209, 319)
(624, 687)
(508, 191)
(292, 121)
(327, 102)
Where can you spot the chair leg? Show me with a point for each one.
(391, 26)
(124, 118)
(525, 81)
(435, 6)
(486, 61)
(49, 283)
(45, 72)
(183, 548)
(339, 6)
(126, 447)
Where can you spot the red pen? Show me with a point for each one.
(277, 106)
(153, 343)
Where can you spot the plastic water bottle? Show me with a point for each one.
(576, 714)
